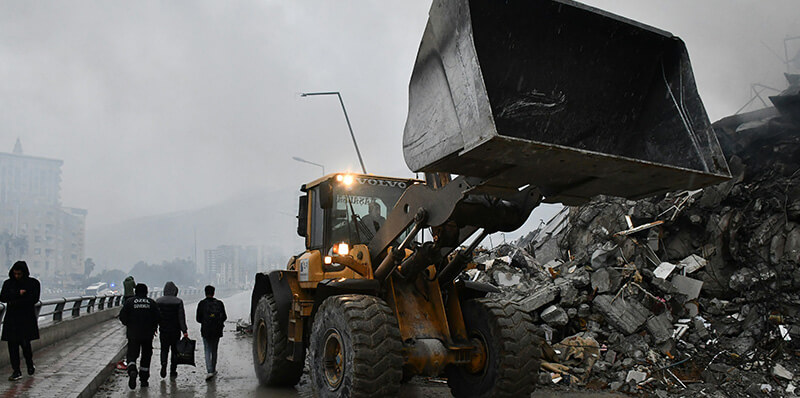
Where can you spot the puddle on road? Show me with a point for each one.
(236, 375)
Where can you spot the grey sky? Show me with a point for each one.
(162, 106)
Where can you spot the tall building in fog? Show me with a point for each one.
(33, 224)
(229, 265)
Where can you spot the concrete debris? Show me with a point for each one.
(660, 327)
(604, 256)
(507, 278)
(555, 316)
(692, 263)
(625, 315)
(243, 327)
(693, 293)
(687, 286)
(779, 371)
(605, 280)
(539, 298)
(664, 270)
(635, 376)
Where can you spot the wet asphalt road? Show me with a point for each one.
(236, 377)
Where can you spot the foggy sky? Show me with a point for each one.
(163, 106)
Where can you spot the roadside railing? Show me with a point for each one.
(54, 310)
(77, 306)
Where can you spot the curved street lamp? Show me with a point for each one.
(309, 162)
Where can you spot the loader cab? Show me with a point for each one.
(346, 208)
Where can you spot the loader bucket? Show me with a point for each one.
(572, 99)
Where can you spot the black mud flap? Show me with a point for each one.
(274, 283)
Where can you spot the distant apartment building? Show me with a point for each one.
(229, 265)
(33, 224)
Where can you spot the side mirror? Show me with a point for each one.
(326, 195)
(302, 216)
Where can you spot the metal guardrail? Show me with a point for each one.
(83, 305)
(75, 306)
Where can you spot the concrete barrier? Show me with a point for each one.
(59, 331)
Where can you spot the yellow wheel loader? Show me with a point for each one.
(525, 101)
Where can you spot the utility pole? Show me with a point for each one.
(346, 118)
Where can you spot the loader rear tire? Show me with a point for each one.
(271, 348)
(355, 350)
(513, 351)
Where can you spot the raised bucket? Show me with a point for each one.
(554, 93)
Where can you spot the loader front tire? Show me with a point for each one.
(271, 348)
(355, 348)
(513, 351)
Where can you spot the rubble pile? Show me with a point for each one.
(689, 293)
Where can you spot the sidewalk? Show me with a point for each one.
(71, 368)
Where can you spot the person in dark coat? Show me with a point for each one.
(141, 316)
(128, 285)
(173, 322)
(211, 317)
(20, 293)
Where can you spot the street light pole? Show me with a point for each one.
(346, 118)
(309, 162)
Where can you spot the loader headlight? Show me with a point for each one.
(341, 249)
(345, 179)
(328, 260)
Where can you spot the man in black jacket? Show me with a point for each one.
(20, 293)
(140, 315)
(211, 316)
(173, 322)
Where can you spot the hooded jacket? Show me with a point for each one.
(128, 284)
(173, 316)
(140, 314)
(20, 323)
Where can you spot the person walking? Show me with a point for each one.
(211, 316)
(140, 315)
(128, 286)
(20, 292)
(172, 323)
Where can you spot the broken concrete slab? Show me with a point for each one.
(625, 315)
(605, 256)
(555, 316)
(687, 286)
(635, 376)
(569, 293)
(660, 327)
(692, 263)
(540, 297)
(606, 280)
(580, 277)
(664, 270)
(780, 371)
(506, 278)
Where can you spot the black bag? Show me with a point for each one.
(185, 354)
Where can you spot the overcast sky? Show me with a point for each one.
(163, 106)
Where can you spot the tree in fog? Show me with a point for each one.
(179, 270)
(88, 267)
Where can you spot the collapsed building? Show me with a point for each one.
(687, 293)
